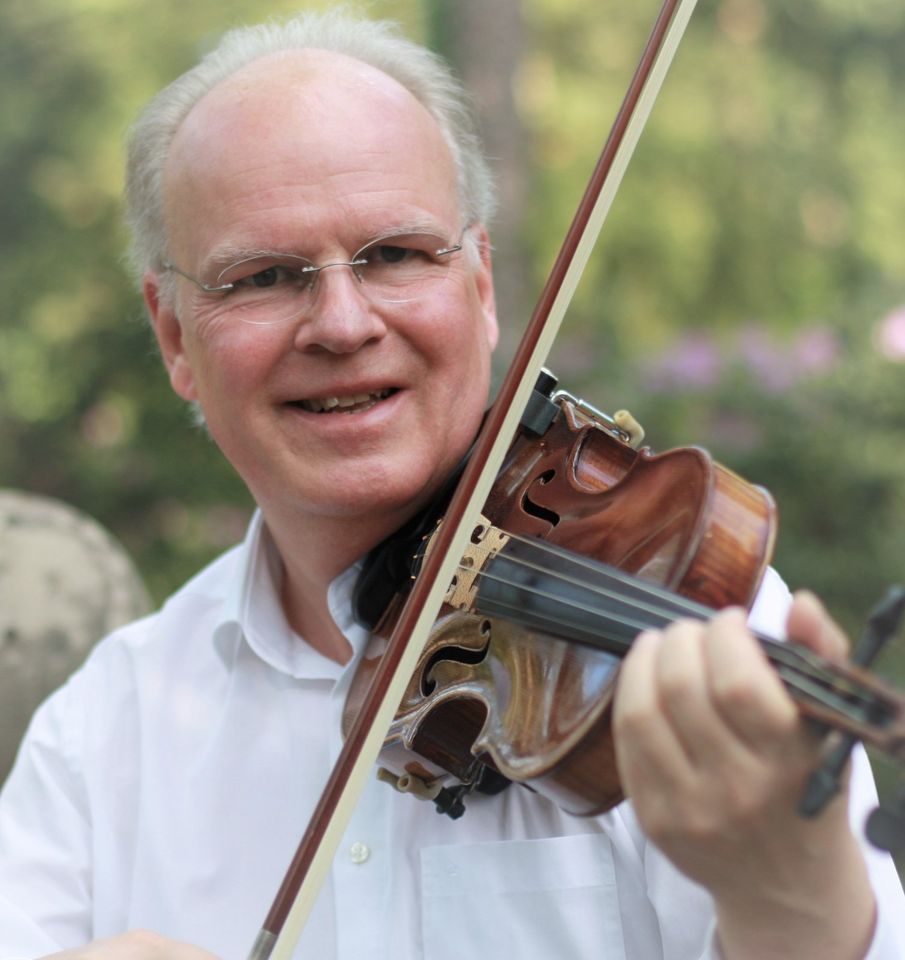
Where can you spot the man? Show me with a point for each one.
(309, 211)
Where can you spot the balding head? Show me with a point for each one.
(316, 119)
(378, 44)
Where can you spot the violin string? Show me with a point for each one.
(636, 624)
(660, 614)
(619, 578)
(812, 680)
(798, 667)
(668, 600)
(820, 690)
(662, 604)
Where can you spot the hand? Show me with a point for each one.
(135, 945)
(714, 755)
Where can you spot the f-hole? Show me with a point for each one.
(457, 654)
(535, 509)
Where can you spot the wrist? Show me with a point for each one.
(829, 913)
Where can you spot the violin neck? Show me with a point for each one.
(550, 590)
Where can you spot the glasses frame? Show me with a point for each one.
(312, 268)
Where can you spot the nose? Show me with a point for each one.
(341, 317)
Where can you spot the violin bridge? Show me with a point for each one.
(486, 542)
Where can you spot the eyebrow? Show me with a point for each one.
(222, 257)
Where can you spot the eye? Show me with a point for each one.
(262, 273)
(271, 276)
(412, 251)
(389, 253)
(264, 278)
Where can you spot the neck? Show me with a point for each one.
(309, 614)
(314, 551)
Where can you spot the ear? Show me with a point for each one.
(484, 285)
(168, 331)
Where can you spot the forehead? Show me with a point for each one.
(303, 141)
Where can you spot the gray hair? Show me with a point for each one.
(377, 43)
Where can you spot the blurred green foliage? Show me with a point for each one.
(86, 413)
(748, 295)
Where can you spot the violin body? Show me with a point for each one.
(532, 706)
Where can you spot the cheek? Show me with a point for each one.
(461, 375)
(228, 361)
(458, 333)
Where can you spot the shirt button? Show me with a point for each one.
(359, 852)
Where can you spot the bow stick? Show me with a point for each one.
(311, 863)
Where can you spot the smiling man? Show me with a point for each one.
(309, 208)
(343, 395)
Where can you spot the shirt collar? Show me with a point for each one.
(253, 613)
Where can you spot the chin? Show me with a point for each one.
(362, 500)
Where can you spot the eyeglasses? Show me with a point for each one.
(271, 288)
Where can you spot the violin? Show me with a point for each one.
(586, 539)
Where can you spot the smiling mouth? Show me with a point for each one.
(353, 403)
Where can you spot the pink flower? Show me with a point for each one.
(693, 363)
(769, 364)
(816, 350)
(889, 335)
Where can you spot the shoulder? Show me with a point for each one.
(194, 608)
(147, 654)
(92, 734)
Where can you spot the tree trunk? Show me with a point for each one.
(484, 43)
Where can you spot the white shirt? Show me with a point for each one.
(166, 786)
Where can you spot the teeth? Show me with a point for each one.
(324, 404)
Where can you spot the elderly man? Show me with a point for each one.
(309, 207)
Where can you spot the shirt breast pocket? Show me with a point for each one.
(522, 899)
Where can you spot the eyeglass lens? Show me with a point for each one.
(397, 269)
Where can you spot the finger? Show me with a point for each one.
(683, 681)
(648, 754)
(810, 624)
(746, 691)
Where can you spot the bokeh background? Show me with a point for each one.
(748, 294)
